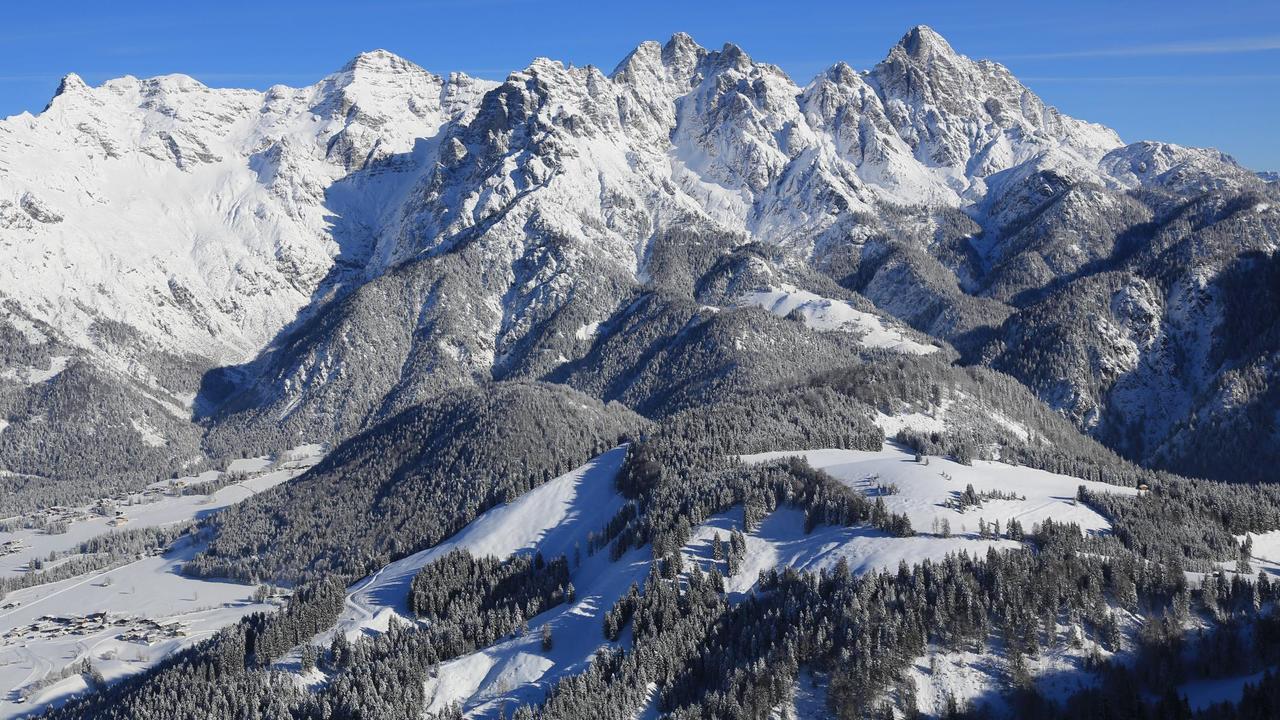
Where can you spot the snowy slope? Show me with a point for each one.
(550, 519)
(206, 217)
(924, 490)
(553, 519)
(822, 313)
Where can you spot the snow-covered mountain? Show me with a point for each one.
(344, 250)
(208, 217)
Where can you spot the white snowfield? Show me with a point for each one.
(822, 313)
(181, 610)
(923, 490)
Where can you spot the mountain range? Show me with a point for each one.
(192, 271)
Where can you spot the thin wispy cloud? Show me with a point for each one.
(1223, 46)
(254, 77)
(1149, 79)
(28, 78)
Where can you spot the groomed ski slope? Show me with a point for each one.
(551, 519)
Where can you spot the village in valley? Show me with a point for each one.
(138, 630)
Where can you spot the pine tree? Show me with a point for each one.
(1244, 566)
(610, 626)
(310, 656)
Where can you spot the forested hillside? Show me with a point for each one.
(412, 482)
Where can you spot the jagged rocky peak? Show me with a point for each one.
(1181, 169)
(379, 61)
(923, 43)
(923, 68)
(665, 69)
(70, 83)
(841, 72)
(974, 114)
(733, 55)
(682, 44)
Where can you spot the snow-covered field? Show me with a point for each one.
(160, 510)
(822, 313)
(151, 610)
(923, 490)
(150, 589)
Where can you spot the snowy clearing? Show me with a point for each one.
(781, 541)
(822, 313)
(35, 375)
(924, 490)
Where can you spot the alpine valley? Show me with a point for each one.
(679, 390)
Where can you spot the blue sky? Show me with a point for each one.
(1196, 73)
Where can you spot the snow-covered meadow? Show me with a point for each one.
(923, 490)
